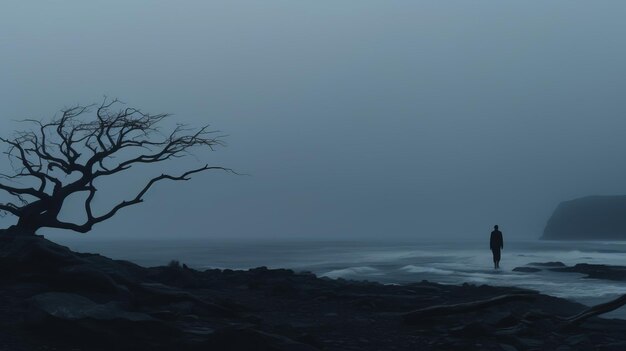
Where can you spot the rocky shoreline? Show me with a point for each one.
(590, 271)
(56, 299)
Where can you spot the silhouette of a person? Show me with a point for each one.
(496, 243)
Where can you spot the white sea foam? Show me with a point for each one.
(422, 269)
(352, 272)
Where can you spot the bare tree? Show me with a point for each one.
(67, 155)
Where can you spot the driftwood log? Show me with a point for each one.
(596, 311)
(418, 316)
(424, 314)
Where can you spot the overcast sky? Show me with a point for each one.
(353, 119)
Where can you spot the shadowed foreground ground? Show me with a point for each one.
(53, 298)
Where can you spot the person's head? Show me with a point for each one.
(495, 227)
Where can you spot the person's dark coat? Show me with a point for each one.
(496, 242)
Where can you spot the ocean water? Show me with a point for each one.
(391, 263)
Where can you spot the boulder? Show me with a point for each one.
(86, 278)
(33, 254)
(77, 321)
(156, 294)
(67, 306)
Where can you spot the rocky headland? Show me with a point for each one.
(588, 218)
(56, 299)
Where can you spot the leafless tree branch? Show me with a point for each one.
(66, 155)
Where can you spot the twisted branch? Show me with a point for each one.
(67, 154)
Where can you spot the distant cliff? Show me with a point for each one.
(588, 218)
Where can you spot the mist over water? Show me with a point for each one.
(365, 119)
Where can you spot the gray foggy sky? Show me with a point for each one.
(354, 119)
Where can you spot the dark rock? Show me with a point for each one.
(507, 321)
(33, 254)
(528, 343)
(612, 346)
(75, 307)
(152, 294)
(365, 303)
(86, 278)
(190, 318)
(309, 340)
(596, 271)
(74, 319)
(285, 289)
(123, 272)
(251, 339)
(535, 315)
(473, 329)
(175, 275)
(578, 340)
(164, 315)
